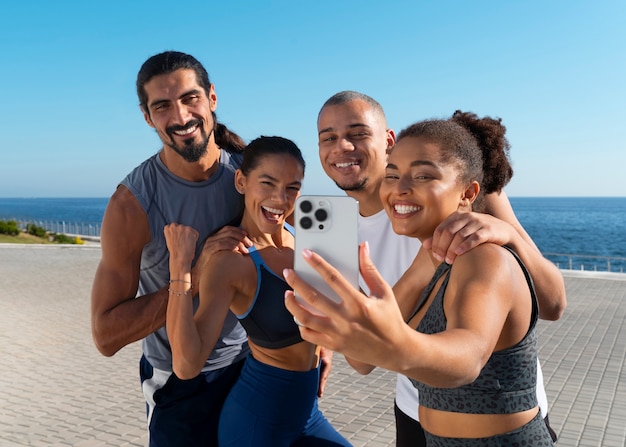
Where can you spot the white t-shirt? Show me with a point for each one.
(392, 255)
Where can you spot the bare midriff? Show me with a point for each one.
(302, 356)
(464, 425)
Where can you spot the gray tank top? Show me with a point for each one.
(206, 206)
(507, 382)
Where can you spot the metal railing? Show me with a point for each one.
(568, 261)
(565, 261)
(62, 227)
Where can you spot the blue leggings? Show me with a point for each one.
(269, 406)
(534, 434)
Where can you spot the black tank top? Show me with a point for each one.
(268, 322)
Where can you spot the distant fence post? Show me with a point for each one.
(595, 263)
(77, 228)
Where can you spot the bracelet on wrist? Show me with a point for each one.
(180, 280)
(180, 293)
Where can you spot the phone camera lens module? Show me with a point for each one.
(306, 223)
(306, 206)
(321, 215)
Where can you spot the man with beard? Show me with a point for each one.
(189, 181)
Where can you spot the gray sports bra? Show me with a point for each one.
(506, 384)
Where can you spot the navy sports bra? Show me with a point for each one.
(506, 384)
(268, 322)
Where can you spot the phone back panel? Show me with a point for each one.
(327, 225)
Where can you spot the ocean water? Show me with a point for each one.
(83, 210)
(588, 227)
(591, 226)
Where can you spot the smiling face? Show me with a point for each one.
(271, 189)
(420, 190)
(353, 140)
(179, 109)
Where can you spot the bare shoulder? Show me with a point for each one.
(125, 224)
(229, 265)
(124, 202)
(485, 260)
(485, 277)
(123, 209)
(232, 276)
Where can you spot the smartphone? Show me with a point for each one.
(327, 225)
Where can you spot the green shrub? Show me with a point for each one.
(61, 238)
(65, 239)
(35, 230)
(9, 227)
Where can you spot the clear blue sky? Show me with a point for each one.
(554, 71)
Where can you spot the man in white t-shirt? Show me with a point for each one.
(353, 144)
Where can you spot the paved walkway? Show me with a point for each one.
(57, 390)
